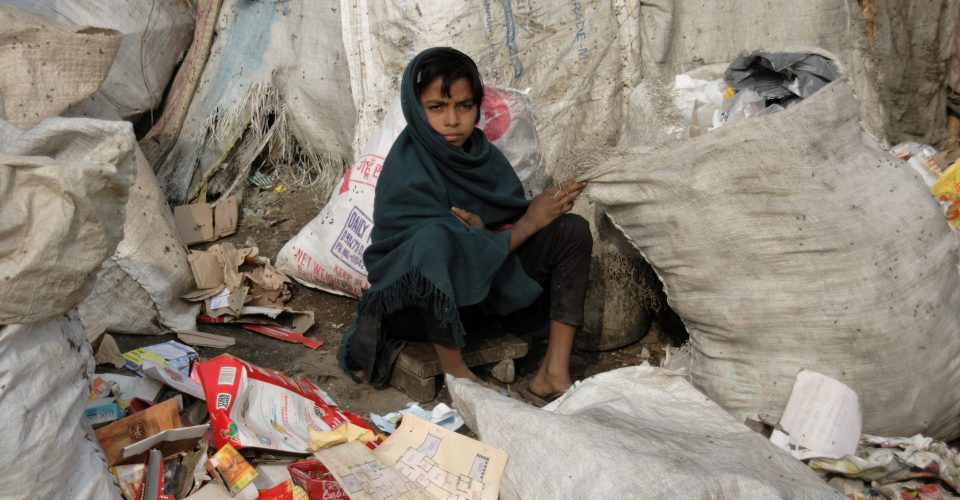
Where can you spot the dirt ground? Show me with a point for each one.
(268, 220)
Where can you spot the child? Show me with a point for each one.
(454, 238)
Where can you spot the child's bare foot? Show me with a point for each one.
(546, 387)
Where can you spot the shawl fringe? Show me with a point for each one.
(415, 289)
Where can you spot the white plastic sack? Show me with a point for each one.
(49, 450)
(63, 189)
(46, 67)
(138, 289)
(328, 252)
(155, 35)
(568, 54)
(794, 241)
(637, 432)
(283, 59)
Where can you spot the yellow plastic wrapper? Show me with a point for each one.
(345, 432)
(947, 192)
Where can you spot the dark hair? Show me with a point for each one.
(450, 65)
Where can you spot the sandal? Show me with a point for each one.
(534, 399)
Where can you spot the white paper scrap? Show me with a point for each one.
(823, 415)
(134, 387)
(221, 300)
(173, 378)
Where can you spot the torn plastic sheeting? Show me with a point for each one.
(776, 75)
(264, 62)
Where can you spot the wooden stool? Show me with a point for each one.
(417, 370)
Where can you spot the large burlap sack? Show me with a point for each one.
(794, 241)
(138, 289)
(568, 54)
(46, 67)
(49, 450)
(637, 432)
(64, 188)
(155, 33)
(328, 252)
(283, 59)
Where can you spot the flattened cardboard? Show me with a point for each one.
(204, 339)
(202, 222)
(170, 442)
(137, 427)
(194, 223)
(270, 287)
(225, 217)
(296, 321)
(207, 270)
(201, 295)
(108, 353)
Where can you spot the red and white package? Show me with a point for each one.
(254, 407)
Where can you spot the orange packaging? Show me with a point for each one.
(235, 471)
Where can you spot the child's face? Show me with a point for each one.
(452, 117)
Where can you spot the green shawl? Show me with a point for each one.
(420, 254)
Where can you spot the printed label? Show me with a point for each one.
(364, 172)
(227, 375)
(353, 240)
(223, 400)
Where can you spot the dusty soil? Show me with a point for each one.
(268, 220)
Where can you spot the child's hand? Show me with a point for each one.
(552, 203)
(468, 219)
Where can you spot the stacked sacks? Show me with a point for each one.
(64, 186)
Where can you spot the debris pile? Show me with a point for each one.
(180, 426)
(239, 286)
(798, 248)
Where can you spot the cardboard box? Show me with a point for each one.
(137, 427)
(202, 222)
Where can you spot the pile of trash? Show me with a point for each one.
(758, 84)
(786, 237)
(173, 425)
(940, 171)
(238, 286)
(914, 467)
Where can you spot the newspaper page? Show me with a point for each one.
(420, 461)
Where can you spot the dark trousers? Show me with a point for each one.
(557, 257)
